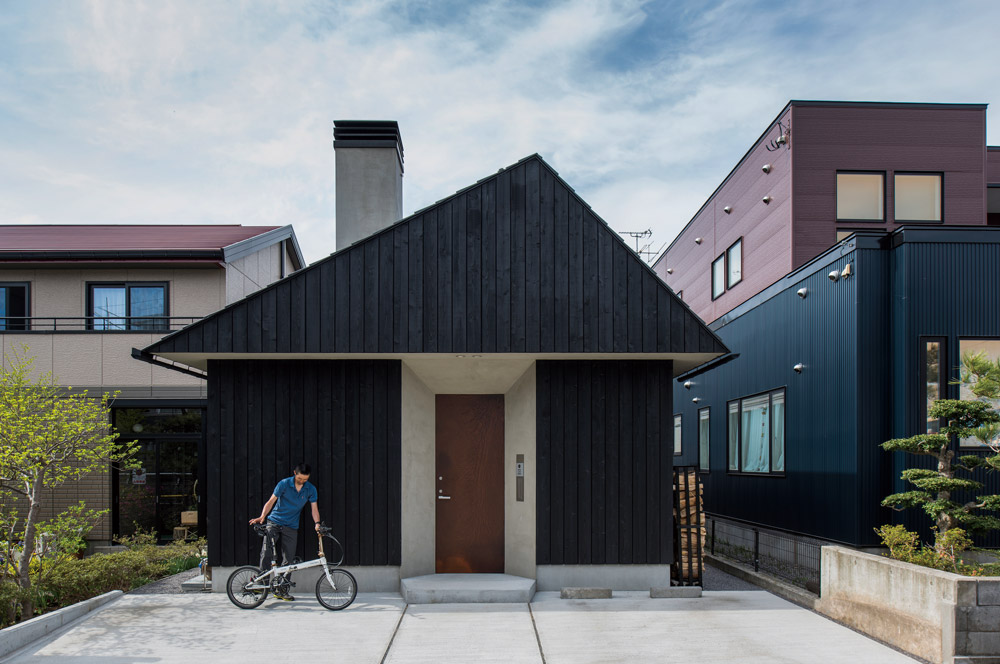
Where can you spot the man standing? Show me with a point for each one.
(289, 497)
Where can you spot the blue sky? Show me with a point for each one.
(195, 112)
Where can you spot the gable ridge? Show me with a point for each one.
(300, 274)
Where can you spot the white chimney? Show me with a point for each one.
(369, 177)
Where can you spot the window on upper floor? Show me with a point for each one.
(677, 434)
(718, 276)
(917, 196)
(727, 269)
(734, 264)
(704, 439)
(14, 306)
(756, 433)
(860, 196)
(127, 306)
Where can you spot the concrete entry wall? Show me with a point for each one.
(519, 438)
(421, 380)
(417, 476)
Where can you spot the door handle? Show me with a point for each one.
(444, 497)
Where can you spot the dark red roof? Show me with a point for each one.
(124, 237)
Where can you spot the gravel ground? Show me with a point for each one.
(168, 585)
(716, 579)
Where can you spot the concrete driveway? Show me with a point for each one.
(723, 626)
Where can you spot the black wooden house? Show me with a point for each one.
(484, 386)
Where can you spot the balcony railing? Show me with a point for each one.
(133, 324)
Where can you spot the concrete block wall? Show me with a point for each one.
(939, 616)
(977, 625)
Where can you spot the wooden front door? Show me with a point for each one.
(469, 474)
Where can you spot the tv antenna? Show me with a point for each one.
(638, 235)
(644, 251)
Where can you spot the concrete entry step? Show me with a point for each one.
(196, 584)
(467, 589)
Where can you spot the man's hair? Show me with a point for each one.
(302, 469)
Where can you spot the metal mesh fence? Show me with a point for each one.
(793, 558)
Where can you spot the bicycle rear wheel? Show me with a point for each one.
(240, 594)
(341, 594)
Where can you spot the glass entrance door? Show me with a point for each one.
(177, 473)
(153, 496)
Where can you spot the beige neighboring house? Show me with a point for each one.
(82, 297)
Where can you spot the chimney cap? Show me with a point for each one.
(368, 134)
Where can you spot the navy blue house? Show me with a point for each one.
(848, 261)
(824, 371)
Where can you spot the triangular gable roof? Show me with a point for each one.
(516, 263)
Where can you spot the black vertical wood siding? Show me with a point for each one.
(340, 416)
(605, 460)
(516, 263)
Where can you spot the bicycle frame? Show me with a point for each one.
(276, 570)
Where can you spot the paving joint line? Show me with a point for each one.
(538, 639)
(399, 622)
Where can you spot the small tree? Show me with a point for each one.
(48, 436)
(965, 419)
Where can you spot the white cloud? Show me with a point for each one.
(193, 112)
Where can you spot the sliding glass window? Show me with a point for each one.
(756, 436)
(127, 306)
(988, 349)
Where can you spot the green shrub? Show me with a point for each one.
(76, 580)
(945, 555)
(11, 596)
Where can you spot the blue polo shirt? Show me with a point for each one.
(290, 502)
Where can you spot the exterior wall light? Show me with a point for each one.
(670, 270)
(696, 400)
(767, 200)
(833, 276)
(798, 367)
(728, 209)
(697, 240)
(688, 384)
(766, 168)
(802, 292)
(846, 272)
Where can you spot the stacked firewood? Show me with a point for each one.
(689, 503)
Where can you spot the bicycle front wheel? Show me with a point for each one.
(239, 591)
(339, 595)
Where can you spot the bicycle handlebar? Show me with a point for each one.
(261, 529)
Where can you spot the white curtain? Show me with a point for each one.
(756, 435)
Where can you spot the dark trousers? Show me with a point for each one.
(287, 538)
